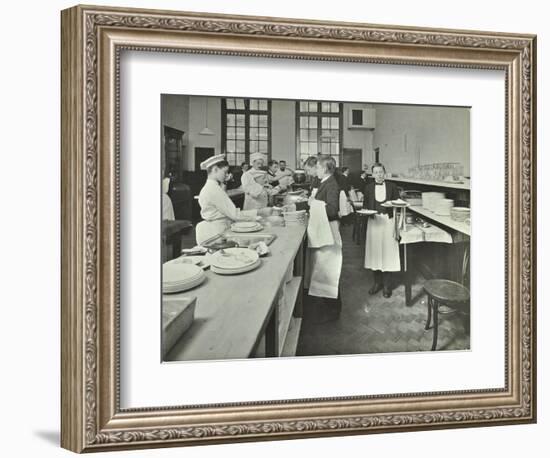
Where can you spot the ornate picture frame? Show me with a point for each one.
(92, 40)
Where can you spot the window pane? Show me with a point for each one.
(325, 123)
(239, 104)
(325, 148)
(304, 135)
(240, 146)
(263, 147)
(312, 106)
(230, 103)
(303, 106)
(262, 104)
(230, 133)
(303, 121)
(334, 123)
(304, 149)
(263, 133)
(253, 104)
(312, 135)
(230, 119)
(253, 120)
(313, 150)
(240, 133)
(263, 120)
(312, 122)
(325, 106)
(241, 157)
(240, 120)
(334, 148)
(253, 146)
(231, 146)
(253, 133)
(335, 107)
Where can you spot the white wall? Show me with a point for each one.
(358, 138)
(191, 114)
(412, 135)
(29, 328)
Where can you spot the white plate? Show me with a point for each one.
(233, 258)
(367, 212)
(245, 224)
(183, 287)
(201, 261)
(256, 228)
(180, 272)
(242, 270)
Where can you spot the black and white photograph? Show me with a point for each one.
(303, 228)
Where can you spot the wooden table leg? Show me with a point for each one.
(272, 334)
(407, 278)
(429, 319)
(436, 323)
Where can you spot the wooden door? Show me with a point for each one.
(201, 154)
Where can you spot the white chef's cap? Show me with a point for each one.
(212, 160)
(256, 156)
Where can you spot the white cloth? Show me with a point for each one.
(324, 266)
(217, 210)
(345, 206)
(255, 195)
(319, 233)
(167, 208)
(208, 229)
(381, 248)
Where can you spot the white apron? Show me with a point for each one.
(324, 266)
(207, 229)
(381, 248)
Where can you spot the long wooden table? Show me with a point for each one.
(235, 312)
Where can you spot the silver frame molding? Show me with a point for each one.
(92, 40)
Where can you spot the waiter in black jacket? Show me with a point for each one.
(381, 247)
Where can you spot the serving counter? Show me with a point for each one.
(257, 313)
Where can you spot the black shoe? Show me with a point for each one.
(387, 292)
(375, 288)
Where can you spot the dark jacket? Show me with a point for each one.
(370, 202)
(329, 192)
(272, 181)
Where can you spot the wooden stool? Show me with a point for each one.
(444, 292)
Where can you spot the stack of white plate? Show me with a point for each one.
(460, 213)
(430, 199)
(295, 218)
(246, 226)
(232, 261)
(177, 277)
(443, 207)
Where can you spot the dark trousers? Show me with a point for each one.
(383, 278)
(323, 309)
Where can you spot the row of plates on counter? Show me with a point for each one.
(182, 274)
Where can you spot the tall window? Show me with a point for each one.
(246, 129)
(319, 129)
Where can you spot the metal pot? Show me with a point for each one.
(299, 176)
